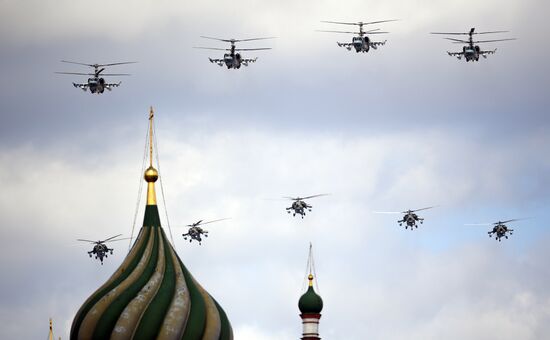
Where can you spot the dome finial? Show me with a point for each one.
(151, 174)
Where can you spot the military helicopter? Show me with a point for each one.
(410, 219)
(100, 249)
(500, 229)
(299, 206)
(361, 42)
(472, 52)
(96, 83)
(234, 60)
(195, 231)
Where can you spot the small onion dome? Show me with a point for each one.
(310, 302)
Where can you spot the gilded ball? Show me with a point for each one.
(151, 175)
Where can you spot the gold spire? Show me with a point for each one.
(310, 278)
(151, 174)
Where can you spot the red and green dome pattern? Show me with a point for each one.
(152, 295)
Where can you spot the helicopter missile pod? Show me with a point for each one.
(96, 83)
(195, 231)
(100, 249)
(361, 42)
(410, 218)
(299, 206)
(233, 59)
(500, 229)
(471, 51)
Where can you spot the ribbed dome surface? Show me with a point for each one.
(310, 302)
(152, 295)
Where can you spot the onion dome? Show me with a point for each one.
(310, 302)
(151, 295)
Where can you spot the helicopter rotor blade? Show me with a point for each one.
(458, 40)
(319, 195)
(451, 33)
(221, 219)
(213, 48)
(195, 224)
(115, 74)
(77, 63)
(358, 23)
(82, 240)
(387, 212)
(120, 239)
(476, 224)
(236, 40)
(122, 63)
(487, 41)
(77, 73)
(346, 32)
(424, 208)
(224, 40)
(110, 238)
(253, 49)
(514, 220)
(252, 39)
(490, 32)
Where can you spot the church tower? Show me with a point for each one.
(152, 295)
(310, 305)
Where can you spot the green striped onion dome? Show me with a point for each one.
(310, 302)
(152, 295)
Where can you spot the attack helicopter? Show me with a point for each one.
(500, 229)
(233, 59)
(96, 83)
(299, 206)
(361, 42)
(100, 249)
(195, 231)
(472, 52)
(410, 218)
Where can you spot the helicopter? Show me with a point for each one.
(299, 206)
(361, 42)
(472, 52)
(233, 59)
(96, 83)
(410, 218)
(500, 229)
(100, 249)
(195, 231)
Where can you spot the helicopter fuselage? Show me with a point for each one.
(100, 251)
(500, 230)
(232, 60)
(361, 44)
(96, 85)
(299, 207)
(410, 219)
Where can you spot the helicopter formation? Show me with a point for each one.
(361, 42)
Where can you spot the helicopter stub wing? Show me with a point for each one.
(247, 61)
(220, 62)
(83, 87)
(346, 45)
(375, 44)
(110, 86)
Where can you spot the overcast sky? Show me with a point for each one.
(405, 126)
